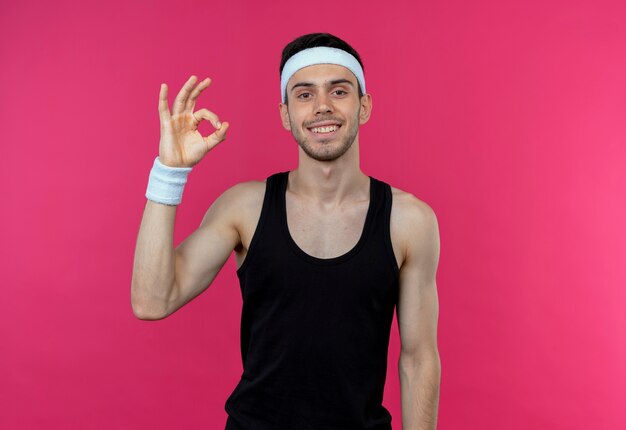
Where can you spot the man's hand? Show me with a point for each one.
(181, 144)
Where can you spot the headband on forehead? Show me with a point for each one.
(320, 55)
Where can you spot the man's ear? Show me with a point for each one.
(284, 116)
(366, 108)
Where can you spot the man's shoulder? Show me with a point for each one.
(411, 218)
(246, 187)
(244, 194)
(408, 206)
(238, 204)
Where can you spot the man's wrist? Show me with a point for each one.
(166, 184)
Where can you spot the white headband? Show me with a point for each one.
(320, 55)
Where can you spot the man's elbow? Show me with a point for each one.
(146, 315)
(147, 310)
(416, 357)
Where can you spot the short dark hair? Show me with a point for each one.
(317, 39)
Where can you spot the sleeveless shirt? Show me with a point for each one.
(315, 331)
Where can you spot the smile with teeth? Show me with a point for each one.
(326, 129)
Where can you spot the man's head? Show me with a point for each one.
(314, 40)
(323, 94)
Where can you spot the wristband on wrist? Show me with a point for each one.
(166, 184)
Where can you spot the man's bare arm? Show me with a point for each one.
(163, 278)
(419, 365)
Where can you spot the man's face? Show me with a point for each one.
(324, 110)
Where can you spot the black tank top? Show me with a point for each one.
(315, 331)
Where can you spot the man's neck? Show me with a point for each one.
(330, 183)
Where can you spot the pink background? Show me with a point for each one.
(508, 118)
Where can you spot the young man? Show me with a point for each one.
(324, 254)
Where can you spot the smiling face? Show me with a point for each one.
(324, 110)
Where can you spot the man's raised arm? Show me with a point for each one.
(164, 279)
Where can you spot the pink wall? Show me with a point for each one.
(508, 118)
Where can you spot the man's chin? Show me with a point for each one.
(322, 155)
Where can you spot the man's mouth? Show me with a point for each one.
(324, 130)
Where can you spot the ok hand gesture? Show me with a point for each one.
(181, 144)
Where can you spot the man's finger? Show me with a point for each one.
(191, 101)
(208, 115)
(218, 136)
(181, 98)
(164, 110)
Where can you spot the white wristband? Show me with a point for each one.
(166, 183)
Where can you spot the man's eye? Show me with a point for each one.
(304, 95)
(340, 92)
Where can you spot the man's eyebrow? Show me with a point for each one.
(341, 81)
(331, 83)
(302, 84)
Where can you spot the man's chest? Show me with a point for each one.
(325, 233)
(321, 233)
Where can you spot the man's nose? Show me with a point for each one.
(324, 104)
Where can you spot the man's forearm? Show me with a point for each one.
(153, 269)
(419, 389)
